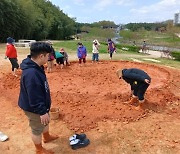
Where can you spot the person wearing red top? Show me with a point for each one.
(11, 53)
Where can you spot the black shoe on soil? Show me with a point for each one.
(80, 144)
(81, 136)
(77, 136)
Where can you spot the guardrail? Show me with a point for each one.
(24, 43)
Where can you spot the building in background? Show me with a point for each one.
(177, 18)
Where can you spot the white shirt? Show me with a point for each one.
(95, 48)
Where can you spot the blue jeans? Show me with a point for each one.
(95, 56)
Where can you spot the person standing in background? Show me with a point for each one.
(51, 58)
(144, 47)
(81, 53)
(111, 48)
(95, 51)
(11, 53)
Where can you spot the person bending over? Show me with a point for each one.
(139, 82)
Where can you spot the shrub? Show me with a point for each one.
(176, 55)
(128, 47)
(125, 47)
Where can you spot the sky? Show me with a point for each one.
(119, 11)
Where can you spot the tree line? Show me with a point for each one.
(147, 26)
(34, 19)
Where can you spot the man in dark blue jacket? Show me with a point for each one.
(139, 81)
(34, 96)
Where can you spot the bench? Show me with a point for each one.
(24, 43)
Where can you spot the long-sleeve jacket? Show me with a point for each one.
(81, 52)
(11, 51)
(111, 46)
(134, 76)
(34, 89)
(65, 55)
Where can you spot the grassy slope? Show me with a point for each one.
(71, 46)
(151, 37)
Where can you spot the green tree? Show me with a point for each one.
(34, 19)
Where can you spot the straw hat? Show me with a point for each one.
(119, 73)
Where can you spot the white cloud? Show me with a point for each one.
(160, 11)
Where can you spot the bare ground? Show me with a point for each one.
(92, 100)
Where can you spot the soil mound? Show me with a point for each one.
(93, 93)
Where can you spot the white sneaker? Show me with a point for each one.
(3, 137)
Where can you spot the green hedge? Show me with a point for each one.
(176, 55)
(128, 47)
(125, 47)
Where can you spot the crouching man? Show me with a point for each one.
(139, 81)
(34, 96)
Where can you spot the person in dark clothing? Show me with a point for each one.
(139, 82)
(34, 97)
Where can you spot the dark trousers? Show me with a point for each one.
(140, 89)
(95, 56)
(111, 53)
(14, 63)
(60, 60)
(82, 59)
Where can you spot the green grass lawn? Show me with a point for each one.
(151, 37)
(71, 47)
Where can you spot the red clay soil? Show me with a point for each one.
(92, 93)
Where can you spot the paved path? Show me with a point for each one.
(155, 53)
(152, 53)
(151, 56)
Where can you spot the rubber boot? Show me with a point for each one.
(48, 137)
(41, 150)
(140, 105)
(134, 100)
